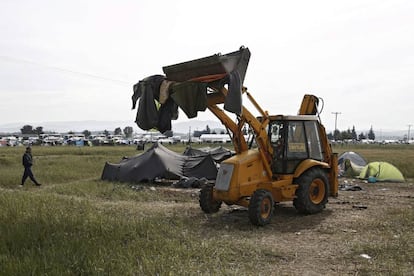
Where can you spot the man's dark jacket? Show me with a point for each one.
(27, 160)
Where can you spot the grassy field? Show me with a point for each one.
(76, 224)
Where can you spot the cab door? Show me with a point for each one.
(293, 142)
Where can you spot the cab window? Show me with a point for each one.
(296, 141)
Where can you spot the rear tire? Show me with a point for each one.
(261, 207)
(207, 202)
(312, 193)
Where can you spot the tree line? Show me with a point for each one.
(351, 134)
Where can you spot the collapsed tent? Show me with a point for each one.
(160, 162)
(382, 171)
(218, 154)
(351, 164)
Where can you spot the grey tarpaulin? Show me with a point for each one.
(218, 154)
(160, 162)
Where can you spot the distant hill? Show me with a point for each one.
(79, 126)
(66, 126)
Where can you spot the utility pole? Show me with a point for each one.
(336, 120)
(189, 135)
(408, 137)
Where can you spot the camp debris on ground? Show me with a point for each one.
(349, 187)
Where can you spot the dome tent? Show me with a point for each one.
(382, 171)
(351, 164)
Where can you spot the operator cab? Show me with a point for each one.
(293, 139)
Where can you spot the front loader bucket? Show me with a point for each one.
(212, 65)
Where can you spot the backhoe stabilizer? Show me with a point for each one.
(309, 105)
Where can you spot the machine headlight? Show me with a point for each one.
(224, 177)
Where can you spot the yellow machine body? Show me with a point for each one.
(292, 159)
(250, 169)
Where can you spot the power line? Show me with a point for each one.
(23, 61)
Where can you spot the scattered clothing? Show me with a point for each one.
(347, 187)
(164, 91)
(160, 98)
(233, 101)
(167, 112)
(151, 83)
(190, 182)
(191, 97)
(147, 91)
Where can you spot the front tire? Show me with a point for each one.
(312, 193)
(261, 207)
(207, 202)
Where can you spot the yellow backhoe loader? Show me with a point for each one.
(291, 159)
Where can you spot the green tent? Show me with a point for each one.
(381, 171)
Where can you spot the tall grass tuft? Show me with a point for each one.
(45, 234)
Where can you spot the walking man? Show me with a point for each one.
(27, 163)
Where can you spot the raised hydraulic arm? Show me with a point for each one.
(258, 127)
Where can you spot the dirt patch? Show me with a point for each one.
(328, 243)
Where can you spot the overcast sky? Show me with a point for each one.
(72, 60)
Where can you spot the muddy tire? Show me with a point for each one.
(312, 193)
(261, 207)
(207, 202)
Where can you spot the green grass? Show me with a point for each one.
(55, 235)
(76, 224)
